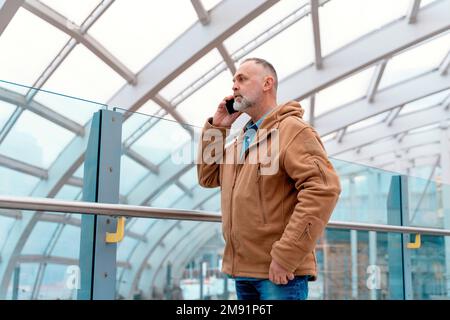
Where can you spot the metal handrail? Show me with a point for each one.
(122, 210)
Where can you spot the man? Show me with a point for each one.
(271, 219)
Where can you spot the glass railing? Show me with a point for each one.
(44, 263)
(175, 258)
(43, 140)
(179, 257)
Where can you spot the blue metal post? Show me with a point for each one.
(100, 184)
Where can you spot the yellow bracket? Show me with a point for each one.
(416, 244)
(119, 234)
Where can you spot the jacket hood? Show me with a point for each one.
(288, 109)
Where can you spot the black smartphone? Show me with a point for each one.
(229, 104)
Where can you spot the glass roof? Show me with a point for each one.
(22, 41)
(136, 33)
(129, 36)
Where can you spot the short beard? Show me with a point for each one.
(243, 104)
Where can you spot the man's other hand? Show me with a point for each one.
(278, 275)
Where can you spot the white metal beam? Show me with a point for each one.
(202, 14)
(444, 66)
(227, 58)
(391, 145)
(414, 153)
(73, 30)
(413, 10)
(188, 48)
(358, 55)
(316, 34)
(377, 132)
(75, 181)
(23, 167)
(68, 47)
(387, 99)
(375, 81)
(161, 101)
(141, 160)
(393, 115)
(312, 110)
(16, 214)
(39, 109)
(7, 11)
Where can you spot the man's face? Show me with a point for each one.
(247, 85)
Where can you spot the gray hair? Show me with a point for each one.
(268, 66)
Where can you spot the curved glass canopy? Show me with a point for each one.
(372, 75)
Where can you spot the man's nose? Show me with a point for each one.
(235, 87)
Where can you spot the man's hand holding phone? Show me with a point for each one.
(222, 118)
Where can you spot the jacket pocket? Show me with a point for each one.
(261, 199)
(322, 173)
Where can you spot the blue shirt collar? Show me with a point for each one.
(255, 126)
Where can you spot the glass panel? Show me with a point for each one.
(430, 268)
(125, 248)
(357, 265)
(166, 197)
(39, 141)
(80, 171)
(140, 226)
(15, 183)
(6, 223)
(54, 285)
(67, 244)
(40, 238)
(209, 4)
(355, 87)
(426, 102)
(166, 151)
(6, 110)
(81, 75)
(190, 179)
(68, 192)
(47, 266)
(75, 11)
(167, 266)
(362, 17)
(199, 69)
(133, 33)
(425, 57)
(297, 44)
(28, 39)
(153, 147)
(272, 16)
(27, 141)
(368, 122)
(203, 103)
(136, 122)
(424, 3)
(365, 194)
(425, 203)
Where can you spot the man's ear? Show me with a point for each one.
(268, 83)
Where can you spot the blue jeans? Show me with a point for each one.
(264, 289)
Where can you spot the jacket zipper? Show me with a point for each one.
(322, 174)
(231, 212)
(263, 209)
(305, 231)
